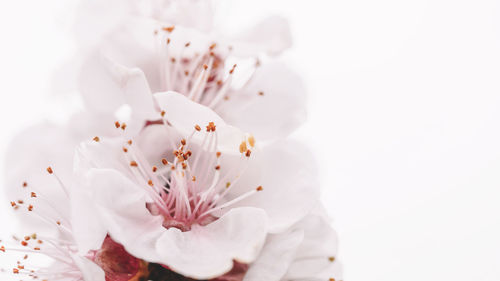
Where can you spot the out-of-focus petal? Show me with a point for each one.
(272, 36)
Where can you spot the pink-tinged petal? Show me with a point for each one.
(184, 114)
(122, 208)
(106, 86)
(28, 156)
(271, 106)
(89, 270)
(290, 187)
(96, 18)
(207, 252)
(316, 257)
(276, 256)
(88, 230)
(271, 35)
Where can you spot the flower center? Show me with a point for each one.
(189, 187)
(201, 76)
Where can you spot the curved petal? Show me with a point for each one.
(106, 85)
(90, 270)
(287, 174)
(122, 208)
(316, 257)
(276, 256)
(184, 114)
(27, 158)
(207, 252)
(272, 36)
(271, 106)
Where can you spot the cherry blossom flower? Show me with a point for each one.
(166, 53)
(196, 200)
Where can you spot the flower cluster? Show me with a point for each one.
(179, 166)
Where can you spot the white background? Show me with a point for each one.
(404, 118)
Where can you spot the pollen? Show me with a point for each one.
(96, 139)
(259, 188)
(217, 167)
(164, 161)
(125, 149)
(197, 128)
(124, 126)
(213, 46)
(30, 208)
(129, 142)
(261, 93)
(33, 194)
(331, 259)
(183, 142)
(193, 178)
(205, 66)
(150, 182)
(163, 113)
(218, 154)
(25, 184)
(49, 170)
(211, 127)
(243, 147)
(117, 124)
(169, 29)
(133, 164)
(154, 169)
(251, 141)
(228, 184)
(247, 154)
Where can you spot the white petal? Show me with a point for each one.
(122, 208)
(184, 114)
(275, 114)
(95, 18)
(89, 231)
(287, 174)
(28, 156)
(90, 270)
(312, 257)
(106, 85)
(208, 251)
(272, 36)
(276, 256)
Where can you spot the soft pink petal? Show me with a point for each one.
(184, 114)
(207, 252)
(275, 114)
(271, 35)
(122, 208)
(90, 270)
(275, 257)
(312, 258)
(287, 174)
